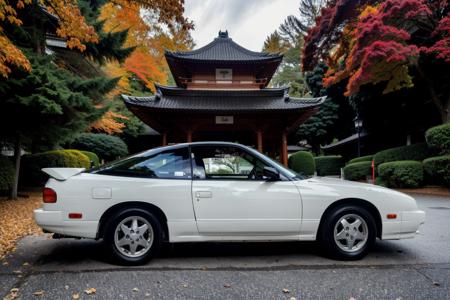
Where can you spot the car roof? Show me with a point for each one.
(203, 143)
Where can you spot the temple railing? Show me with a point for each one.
(197, 83)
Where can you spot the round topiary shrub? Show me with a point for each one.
(411, 152)
(93, 158)
(402, 174)
(302, 162)
(438, 169)
(438, 138)
(107, 147)
(360, 159)
(358, 170)
(6, 173)
(329, 165)
(31, 166)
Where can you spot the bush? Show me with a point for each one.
(93, 158)
(329, 165)
(379, 181)
(401, 174)
(360, 159)
(358, 170)
(302, 162)
(6, 173)
(412, 152)
(32, 164)
(438, 138)
(438, 169)
(107, 147)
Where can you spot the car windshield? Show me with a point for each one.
(292, 173)
(287, 172)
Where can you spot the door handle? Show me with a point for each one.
(203, 194)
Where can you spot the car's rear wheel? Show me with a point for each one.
(133, 236)
(348, 232)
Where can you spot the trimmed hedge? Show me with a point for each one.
(360, 159)
(32, 164)
(358, 170)
(329, 165)
(438, 169)
(402, 174)
(302, 162)
(412, 152)
(6, 173)
(438, 138)
(107, 147)
(95, 161)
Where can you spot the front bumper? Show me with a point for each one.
(407, 227)
(53, 221)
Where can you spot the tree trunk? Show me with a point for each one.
(442, 107)
(446, 112)
(17, 154)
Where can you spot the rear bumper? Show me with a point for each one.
(52, 221)
(407, 227)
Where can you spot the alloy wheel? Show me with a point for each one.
(133, 236)
(351, 233)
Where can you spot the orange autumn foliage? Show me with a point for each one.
(72, 25)
(110, 123)
(145, 67)
(147, 63)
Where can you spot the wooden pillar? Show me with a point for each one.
(164, 139)
(189, 136)
(284, 151)
(259, 141)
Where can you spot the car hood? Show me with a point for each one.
(346, 187)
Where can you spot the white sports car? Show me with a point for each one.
(217, 191)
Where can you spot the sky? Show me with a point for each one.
(248, 22)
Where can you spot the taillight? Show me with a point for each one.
(49, 195)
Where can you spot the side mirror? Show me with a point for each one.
(271, 174)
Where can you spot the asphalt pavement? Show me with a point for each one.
(419, 268)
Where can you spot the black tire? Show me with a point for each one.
(327, 232)
(110, 231)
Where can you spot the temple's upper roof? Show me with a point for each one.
(224, 49)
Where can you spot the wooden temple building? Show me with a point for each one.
(221, 94)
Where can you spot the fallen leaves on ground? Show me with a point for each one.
(75, 296)
(39, 293)
(17, 220)
(90, 291)
(13, 293)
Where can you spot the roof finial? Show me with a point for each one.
(223, 34)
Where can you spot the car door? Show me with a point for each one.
(231, 196)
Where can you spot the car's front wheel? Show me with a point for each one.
(348, 232)
(133, 236)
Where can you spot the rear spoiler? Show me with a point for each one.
(62, 173)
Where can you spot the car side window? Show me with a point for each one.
(225, 162)
(170, 164)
